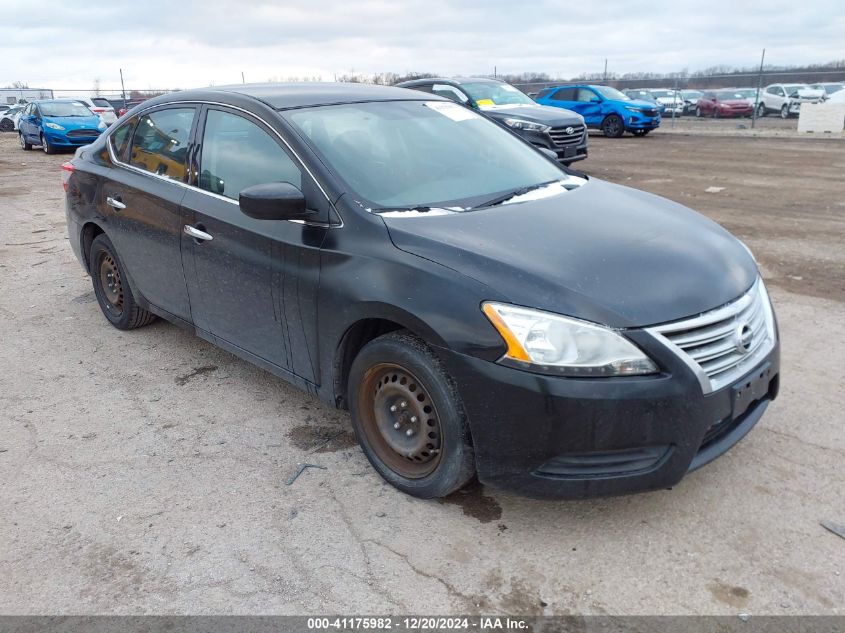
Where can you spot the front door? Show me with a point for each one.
(252, 283)
(140, 201)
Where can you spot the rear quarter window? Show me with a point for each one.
(100, 102)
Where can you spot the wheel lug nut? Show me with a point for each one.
(404, 404)
(393, 408)
(413, 418)
(409, 432)
(396, 425)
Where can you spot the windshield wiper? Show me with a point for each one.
(514, 193)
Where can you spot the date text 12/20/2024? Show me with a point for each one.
(419, 623)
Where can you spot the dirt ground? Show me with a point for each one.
(146, 472)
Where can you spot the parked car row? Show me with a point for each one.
(58, 124)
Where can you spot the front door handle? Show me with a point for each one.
(117, 203)
(196, 233)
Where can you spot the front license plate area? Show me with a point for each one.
(753, 387)
(569, 152)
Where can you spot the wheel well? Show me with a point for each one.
(89, 232)
(355, 338)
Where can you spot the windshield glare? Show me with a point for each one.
(406, 154)
(64, 108)
(489, 94)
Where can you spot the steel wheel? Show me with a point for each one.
(110, 284)
(400, 420)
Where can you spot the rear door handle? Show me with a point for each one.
(196, 233)
(117, 203)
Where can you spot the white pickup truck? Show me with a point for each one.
(786, 99)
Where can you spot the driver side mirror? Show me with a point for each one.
(273, 201)
(595, 100)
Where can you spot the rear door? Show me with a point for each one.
(140, 201)
(253, 284)
(564, 98)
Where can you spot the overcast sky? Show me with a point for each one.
(188, 44)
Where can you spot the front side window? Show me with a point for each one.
(585, 95)
(160, 143)
(237, 153)
(406, 154)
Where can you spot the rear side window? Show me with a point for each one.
(237, 153)
(120, 139)
(564, 94)
(100, 102)
(160, 143)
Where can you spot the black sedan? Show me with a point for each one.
(478, 308)
(555, 129)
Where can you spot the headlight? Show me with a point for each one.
(633, 109)
(553, 344)
(53, 126)
(530, 126)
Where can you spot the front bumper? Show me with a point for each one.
(634, 121)
(555, 437)
(61, 139)
(565, 153)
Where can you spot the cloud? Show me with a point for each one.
(188, 44)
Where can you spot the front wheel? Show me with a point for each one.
(613, 126)
(761, 111)
(408, 417)
(698, 112)
(45, 145)
(24, 143)
(784, 111)
(6, 125)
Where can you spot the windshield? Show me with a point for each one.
(611, 93)
(727, 95)
(64, 108)
(662, 93)
(409, 154)
(831, 88)
(745, 93)
(493, 94)
(691, 94)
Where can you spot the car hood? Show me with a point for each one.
(734, 102)
(810, 93)
(73, 122)
(547, 115)
(642, 104)
(601, 252)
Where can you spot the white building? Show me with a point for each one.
(11, 96)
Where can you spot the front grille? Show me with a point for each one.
(563, 138)
(722, 345)
(650, 112)
(83, 134)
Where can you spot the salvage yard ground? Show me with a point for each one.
(146, 471)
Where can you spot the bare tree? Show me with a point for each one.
(97, 87)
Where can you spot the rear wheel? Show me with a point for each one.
(24, 143)
(613, 126)
(408, 417)
(110, 287)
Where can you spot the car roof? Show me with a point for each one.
(452, 81)
(301, 95)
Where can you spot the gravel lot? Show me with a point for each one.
(145, 472)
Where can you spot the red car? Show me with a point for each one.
(723, 103)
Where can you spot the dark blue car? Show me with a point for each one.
(58, 124)
(604, 108)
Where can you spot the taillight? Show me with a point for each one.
(98, 109)
(67, 170)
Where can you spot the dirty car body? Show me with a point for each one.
(501, 289)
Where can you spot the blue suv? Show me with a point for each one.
(604, 108)
(58, 124)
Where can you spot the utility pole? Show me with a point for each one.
(122, 87)
(243, 81)
(605, 70)
(759, 83)
(494, 72)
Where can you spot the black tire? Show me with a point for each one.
(784, 111)
(112, 292)
(6, 125)
(613, 126)
(24, 143)
(698, 112)
(397, 380)
(45, 145)
(761, 110)
(715, 113)
(640, 132)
